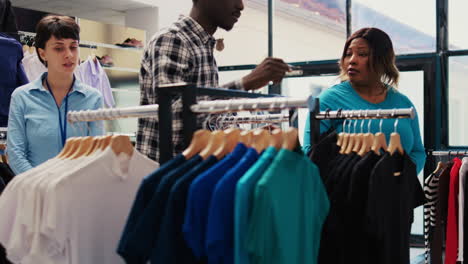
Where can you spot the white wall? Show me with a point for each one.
(143, 18)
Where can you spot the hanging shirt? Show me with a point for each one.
(6, 173)
(102, 206)
(91, 73)
(323, 152)
(345, 97)
(390, 206)
(357, 200)
(199, 198)
(243, 205)
(33, 127)
(436, 243)
(142, 200)
(142, 241)
(33, 67)
(220, 233)
(431, 184)
(171, 246)
(461, 207)
(12, 74)
(289, 209)
(451, 241)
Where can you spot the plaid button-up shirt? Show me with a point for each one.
(180, 53)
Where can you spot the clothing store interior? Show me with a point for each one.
(155, 131)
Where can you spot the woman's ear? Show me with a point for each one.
(42, 54)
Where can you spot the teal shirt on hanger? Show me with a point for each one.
(345, 97)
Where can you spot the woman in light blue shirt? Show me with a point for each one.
(369, 73)
(37, 126)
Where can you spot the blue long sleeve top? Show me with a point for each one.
(345, 97)
(33, 125)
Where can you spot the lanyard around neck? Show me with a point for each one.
(63, 127)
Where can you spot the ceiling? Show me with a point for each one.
(107, 11)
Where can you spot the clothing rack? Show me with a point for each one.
(273, 118)
(112, 113)
(448, 153)
(33, 35)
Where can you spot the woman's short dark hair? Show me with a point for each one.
(61, 27)
(382, 55)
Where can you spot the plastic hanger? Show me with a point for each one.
(395, 141)
(291, 140)
(379, 139)
(199, 141)
(276, 138)
(216, 140)
(121, 144)
(261, 139)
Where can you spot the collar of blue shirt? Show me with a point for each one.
(78, 86)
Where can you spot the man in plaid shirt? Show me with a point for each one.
(184, 53)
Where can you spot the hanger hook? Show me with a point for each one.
(381, 121)
(362, 121)
(396, 123)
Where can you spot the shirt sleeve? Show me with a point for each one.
(97, 127)
(105, 88)
(418, 153)
(17, 143)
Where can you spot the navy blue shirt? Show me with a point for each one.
(143, 240)
(219, 233)
(143, 198)
(171, 246)
(12, 74)
(198, 201)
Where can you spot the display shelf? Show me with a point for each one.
(121, 69)
(109, 46)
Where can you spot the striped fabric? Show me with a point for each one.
(431, 185)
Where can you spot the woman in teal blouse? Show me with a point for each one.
(369, 77)
(37, 126)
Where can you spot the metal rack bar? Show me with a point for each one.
(112, 113)
(368, 114)
(267, 104)
(448, 152)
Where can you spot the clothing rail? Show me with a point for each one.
(273, 118)
(448, 152)
(112, 113)
(269, 104)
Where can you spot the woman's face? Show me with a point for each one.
(61, 55)
(356, 62)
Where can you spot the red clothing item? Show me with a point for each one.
(451, 242)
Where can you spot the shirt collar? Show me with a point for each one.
(78, 86)
(197, 30)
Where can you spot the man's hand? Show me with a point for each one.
(271, 69)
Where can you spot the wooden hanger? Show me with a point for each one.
(121, 144)
(379, 143)
(94, 145)
(261, 139)
(216, 140)
(70, 146)
(291, 140)
(105, 142)
(395, 144)
(367, 141)
(231, 139)
(341, 135)
(199, 141)
(85, 145)
(276, 138)
(440, 166)
(246, 137)
(351, 144)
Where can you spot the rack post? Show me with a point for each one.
(165, 125)
(314, 109)
(189, 118)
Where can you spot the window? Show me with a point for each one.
(410, 24)
(305, 30)
(458, 39)
(458, 127)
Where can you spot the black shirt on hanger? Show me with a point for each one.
(171, 246)
(391, 202)
(6, 173)
(325, 151)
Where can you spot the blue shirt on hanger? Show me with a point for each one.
(243, 205)
(220, 233)
(143, 198)
(198, 201)
(34, 132)
(12, 74)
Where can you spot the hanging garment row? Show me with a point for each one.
(227, 197)
(373, 189)
(72, 208)
(444, 212)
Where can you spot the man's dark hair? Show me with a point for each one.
(61, 27)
